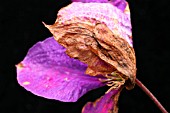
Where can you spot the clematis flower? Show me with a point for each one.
(91, 47)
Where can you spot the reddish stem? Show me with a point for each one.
(159, 105)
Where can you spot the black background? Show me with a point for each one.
(21, 27)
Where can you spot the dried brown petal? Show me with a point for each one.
(118, 52)
(98, 47)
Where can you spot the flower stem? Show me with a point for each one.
(159, 105)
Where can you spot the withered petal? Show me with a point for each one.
(103, 51)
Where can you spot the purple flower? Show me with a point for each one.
(89, 50)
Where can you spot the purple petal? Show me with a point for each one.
(106, 104)
(48, 72)
(88, 1)
(117, 21)
(120, 4)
